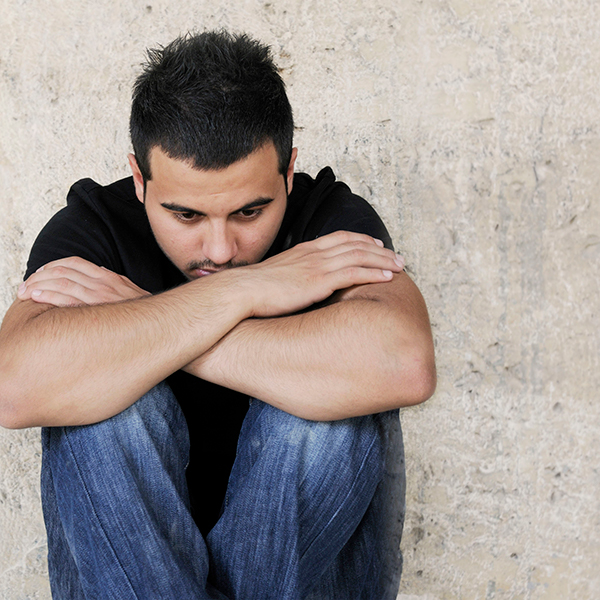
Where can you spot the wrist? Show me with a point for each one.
(232, 291)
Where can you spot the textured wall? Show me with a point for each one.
(472, 126)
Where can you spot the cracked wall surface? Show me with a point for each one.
(473, 128)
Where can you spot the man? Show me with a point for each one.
(213, 275)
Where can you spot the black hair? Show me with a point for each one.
(210, 98)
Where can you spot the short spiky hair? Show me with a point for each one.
(210, 98)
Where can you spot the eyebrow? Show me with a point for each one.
(179, 208)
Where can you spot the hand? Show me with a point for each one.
(310, 272)
(75, 282)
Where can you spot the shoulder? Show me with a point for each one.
(108, 202)
(90, 203)
(323, 205)
(89, 224)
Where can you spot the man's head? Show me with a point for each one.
(206, 220)
(212, 128)
(210, 99)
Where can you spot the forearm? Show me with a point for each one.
(65, 366)
(353, 357)
(79, 353)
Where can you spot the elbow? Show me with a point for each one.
(12, 421)
(13, 408)
(10, 418)
(13, 416)
(415, 377)
(423, 384)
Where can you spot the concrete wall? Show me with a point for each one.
(472, 126)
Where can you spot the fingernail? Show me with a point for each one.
(399, 260)
(40, 269)
(387, 273)
(22, 288)
(36, 293)
(378, 242)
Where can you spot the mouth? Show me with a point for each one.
(194, 271)
(197, 273)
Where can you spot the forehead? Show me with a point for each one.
(252, 177)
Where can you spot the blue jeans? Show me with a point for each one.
(302, 517)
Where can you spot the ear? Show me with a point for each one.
(290, 171)
(138, 179)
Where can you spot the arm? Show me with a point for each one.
(78, 365)
(62, 364)
(371, 350)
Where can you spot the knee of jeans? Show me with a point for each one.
(158, 402)
(352, 444)
(154, 418)
(152, 429)
(157, 412)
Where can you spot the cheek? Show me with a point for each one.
(184, 246)
(258, 241)
(178, 245)
(249, 244)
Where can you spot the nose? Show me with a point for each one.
(219, 245)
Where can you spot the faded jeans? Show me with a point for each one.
(302, 516)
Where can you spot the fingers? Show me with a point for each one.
(55, 298)
(366, 255)
(358, 245)
(58, 272)
(65, 291)
(73, 268)
(74, 281)
(74, 263)
(342, 237)
(356, 276)
(348, 273)
(60, 278)
(310, 272)
(356, 260)
(356, 253)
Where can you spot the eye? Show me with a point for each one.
(250, 213)
(185, 217)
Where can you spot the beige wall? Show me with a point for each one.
(473, 127)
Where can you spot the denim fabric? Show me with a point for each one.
(302, 518)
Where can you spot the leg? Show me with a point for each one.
(301, 494)
(116, 507)
(378, 536)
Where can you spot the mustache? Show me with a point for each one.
(210, 265)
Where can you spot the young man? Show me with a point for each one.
(214, 275)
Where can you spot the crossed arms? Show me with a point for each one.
(81, 344)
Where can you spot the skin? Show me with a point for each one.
(207, 221)
(369, 349)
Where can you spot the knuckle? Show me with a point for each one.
(65, 262)
(104, 294)
(352, 272)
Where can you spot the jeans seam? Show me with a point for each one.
(95, 514)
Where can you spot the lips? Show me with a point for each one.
(203, 272)
(199, 272)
